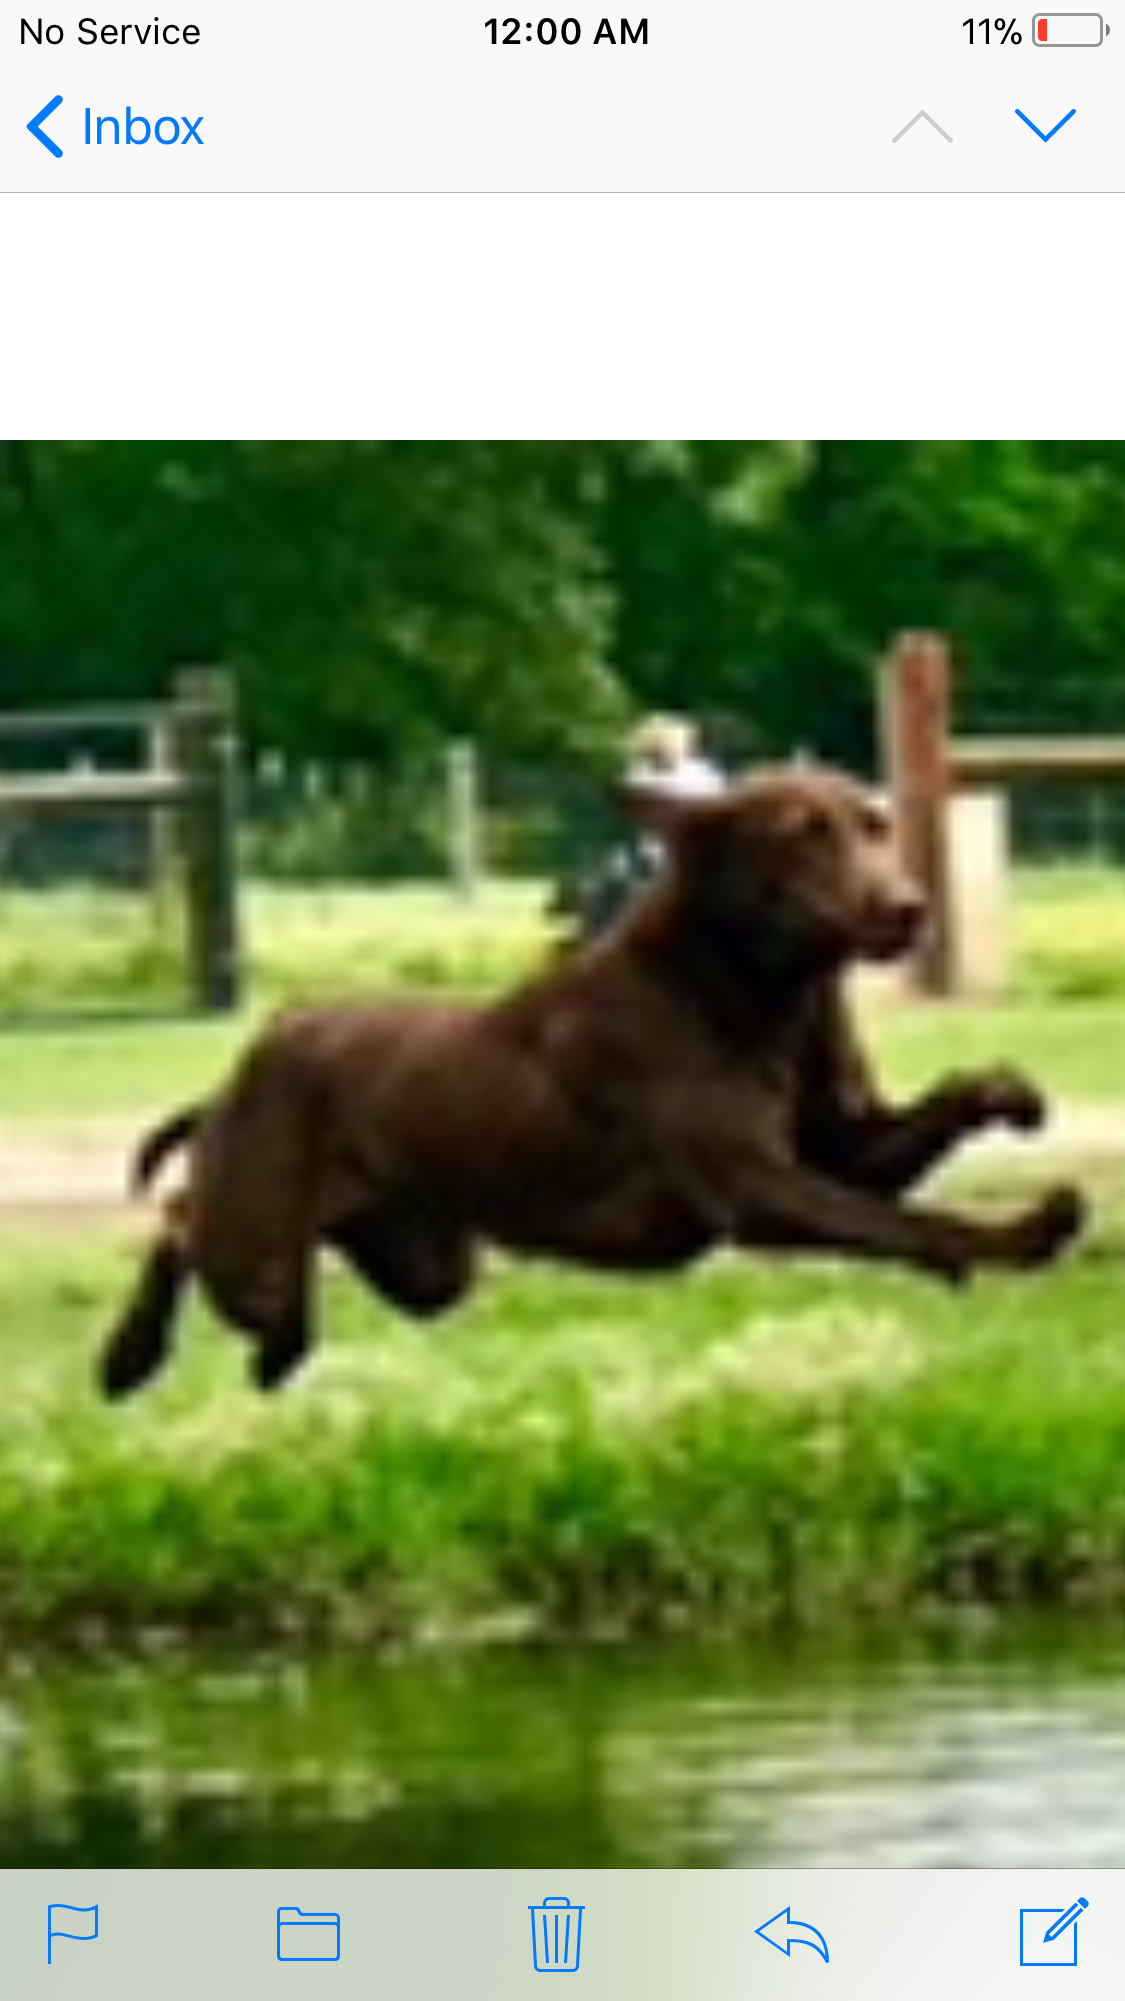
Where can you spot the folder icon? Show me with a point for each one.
(307, 1934)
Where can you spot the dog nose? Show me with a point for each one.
(909, 907)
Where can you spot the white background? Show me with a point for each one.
(517, 314)
(777, 316)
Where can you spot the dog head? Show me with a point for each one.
(795, 868)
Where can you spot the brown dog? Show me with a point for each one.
(690, 1081)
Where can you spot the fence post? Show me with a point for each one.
(914, 703)
(163, 846)
(204, 730)
(463, 808)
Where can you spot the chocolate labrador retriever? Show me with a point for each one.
(692, 1080)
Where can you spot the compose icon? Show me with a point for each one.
(1050, 1938)
(78, 1921)
(307, 1934)
(556, 1935)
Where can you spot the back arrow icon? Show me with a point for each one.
(794, 1933)
(34, 126)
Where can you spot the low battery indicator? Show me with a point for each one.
(1068, 31)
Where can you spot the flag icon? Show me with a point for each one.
(71, 1921)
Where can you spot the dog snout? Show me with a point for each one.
(908, 909)
(896, 920)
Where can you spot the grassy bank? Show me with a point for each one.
(746, 1447)
(749, 1446)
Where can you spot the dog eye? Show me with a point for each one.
(810, 825)
(875, 822)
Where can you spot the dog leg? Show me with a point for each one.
(424, 1270)
(270, 1303)
(793, 1209)
(280, 1319)
(141, 1343)
(889, 1150)
(277, 1312)
(280, 1351)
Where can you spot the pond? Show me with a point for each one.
(1004, 1752)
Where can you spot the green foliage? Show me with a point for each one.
(367, 596)
(374, 599)
(752, 1446)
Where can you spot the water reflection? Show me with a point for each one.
(1003, 1753)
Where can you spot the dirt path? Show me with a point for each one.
(62, 1172)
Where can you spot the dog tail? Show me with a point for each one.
(163, 1139)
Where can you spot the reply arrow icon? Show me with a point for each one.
(35, 127)
(785, 1932)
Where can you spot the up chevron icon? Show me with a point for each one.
(909, 127)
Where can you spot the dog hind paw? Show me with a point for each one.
(128, 1360)
(1053, 1224)
(274, 1362)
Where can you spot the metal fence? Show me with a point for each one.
(455, 814)
(99, 845)
(130, 798)
(448, 815)
(1082, 820)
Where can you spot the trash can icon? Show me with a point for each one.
(556, 1934)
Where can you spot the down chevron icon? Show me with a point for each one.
(1035, 128)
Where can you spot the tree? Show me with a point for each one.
(365, 595)
(376, 598)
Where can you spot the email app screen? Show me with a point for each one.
(562, 982)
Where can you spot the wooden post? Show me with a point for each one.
(464, 819)
(915, 699)
(204, 728)
(163, 853)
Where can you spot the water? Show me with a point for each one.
(1003, 1753)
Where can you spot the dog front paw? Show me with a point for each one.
(1044, 1233)
(1007, 1098)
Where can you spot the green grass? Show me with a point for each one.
(61, 956)
(129, 1070)
(1069, 933)
(748, 1446)
(82, 950)
(1065, 1020)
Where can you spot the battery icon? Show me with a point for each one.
(1068, 31)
